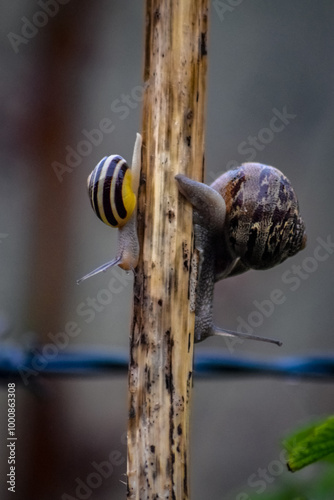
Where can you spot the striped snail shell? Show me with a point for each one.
(112, 190)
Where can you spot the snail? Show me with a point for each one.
(247, 219)
(113, 189)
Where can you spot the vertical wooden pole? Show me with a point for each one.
(161, 351)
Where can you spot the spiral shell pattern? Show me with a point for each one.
(110, 191)
(262, 215)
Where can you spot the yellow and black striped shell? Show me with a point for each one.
(263, 224)
(110, 191)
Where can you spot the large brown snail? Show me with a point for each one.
(247, 219)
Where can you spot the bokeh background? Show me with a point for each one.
(65, 77)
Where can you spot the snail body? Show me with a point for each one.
(247, 219)
(113, 189)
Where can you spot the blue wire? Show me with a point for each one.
(14, 360)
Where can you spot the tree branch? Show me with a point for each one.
(161, 351)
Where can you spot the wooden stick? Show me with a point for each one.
(161, 351)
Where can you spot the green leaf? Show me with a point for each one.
(310, 444)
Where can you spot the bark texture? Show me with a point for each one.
(161, 350)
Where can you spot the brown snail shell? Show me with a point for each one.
(262, 226)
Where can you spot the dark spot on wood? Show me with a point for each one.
(132, 349)
(204, 51)
(179, 429)
(185, 475)
(132, 412)
(173, 458)
(171, 215)
(170, 345)
(171, 420)
(189, 341)
(188, 140)
(157, 15)
(148, 381)
(160, 302)
(143, 338)
(185, 255)
(168, 382)
(152, 448)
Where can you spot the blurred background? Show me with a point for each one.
(76, 68)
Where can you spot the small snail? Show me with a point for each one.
(113, 189)
(247, 219)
